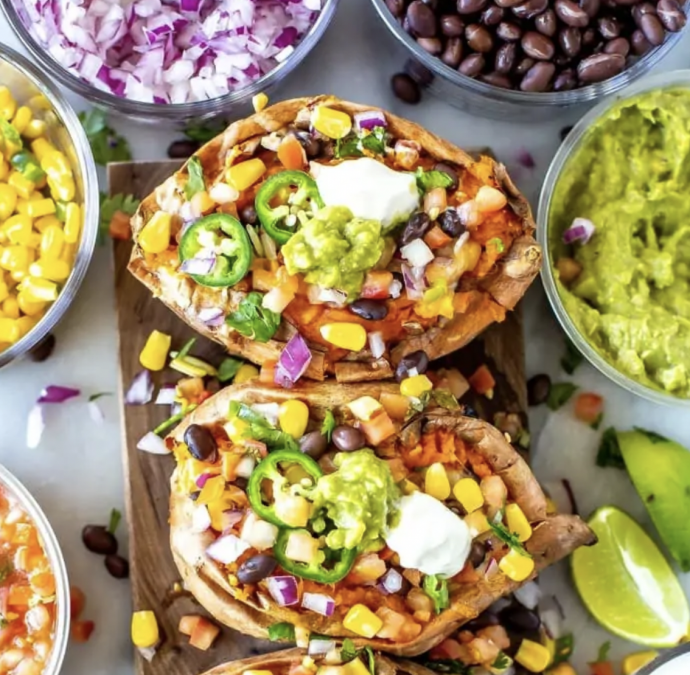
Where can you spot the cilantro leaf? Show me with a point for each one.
(354, 145)
(417, 405)
(260, 429)
(651, 435)
(328, 425)
(110, 206)
(254, 321)
(501, 662)
(203, 133)
(371, 659)
(281, 631)
(99, 394)
(508, 538)
(446, 666)
(428, 180)
(115, 518)
(106, 144)
(498, 243)
(572, 358)
(563, 649)
(244, 412)
(609, 452)
(560, 394)
(228, 369)
(6, 568)
(437, 589)
(195, 178)
(603, 654)
(348, 651)
(186, 348)
(597, 422)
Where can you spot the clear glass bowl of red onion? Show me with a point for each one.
(173, 61)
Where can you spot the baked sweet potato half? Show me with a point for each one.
(359, 231)
(350, 510)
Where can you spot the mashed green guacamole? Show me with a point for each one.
(631, 178)
(335, 250)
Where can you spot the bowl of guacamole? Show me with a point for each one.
(620, 287)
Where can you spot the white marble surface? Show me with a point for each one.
(76, 473)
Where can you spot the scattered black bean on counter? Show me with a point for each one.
(538, 389)
(43, 349)
(98, 540)
(182, 149)
(117, 566)
(534, 45)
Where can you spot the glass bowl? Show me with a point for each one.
(487, 100)
(57, 564)
(672, 80)
(674, 661)
(177, 114)
(36, 89)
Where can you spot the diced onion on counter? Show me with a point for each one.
(140, 390)
(166, 394)
(153, 443)
(528, 595)
(35, 426)
(55, 393)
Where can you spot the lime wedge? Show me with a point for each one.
(627, 584)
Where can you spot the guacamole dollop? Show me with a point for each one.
(360, 498)
(631, 177)
(335, 250)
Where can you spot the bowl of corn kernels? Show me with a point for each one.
(48, 205)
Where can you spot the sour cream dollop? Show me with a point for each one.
(368, 188)
(429, 537)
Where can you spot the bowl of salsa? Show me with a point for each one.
(34, 591)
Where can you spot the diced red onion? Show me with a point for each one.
(211, 316)
(395, 289)
(293, 361)
(369, 120)
(581, 230)
(153, 443)
(95, 412)
(201, 520)
(35, 426)
(376, 344)
(415, 285)
(320, 647)
(283, 590)
(319, 603)
(227, 549)
(166, 394)
(198, 265)
(417, 253)
(528, 595)
(140, 390)
(491, 568)
(318, 295)
(258, 533)
(551, 615)
(201, 480)
(269, 411)
(392, 581)
(230, 518)
(55, 393)
(462, 240)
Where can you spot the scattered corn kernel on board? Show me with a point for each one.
(153, 573)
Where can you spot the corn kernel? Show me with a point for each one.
(39, 290)
(69, 254)
(62, 187)
(72, 223)
(245, 373)
(54, 270)
(469, 494)
(40, 207)
(633, 662)
(155, 235)
(236, 429)
(516, 566)
(29, 307)
(18, 229)
(533, 656)
(517, 522)
(8, 105)
(331, 123)
(4, 169)
(415, 386)
(42, 224)
(245, 174)
(293, 417)
(355, 667)
(55, 164)
(9, 330)
(201, 202)
(34, 240)
(260, 101)
(52, 241)
(155, 352)
(10, 308)
(212, 490)
(22, 207)
(144, 629)
(16, 258)
(345, 335)
(34, 129)
(436, 482)
(41, 147)
(8, 201)
(21, 118)
(477, 522)
(562, 669)
(26, 323)
(362, 621)
(23, 186)
(4, 291)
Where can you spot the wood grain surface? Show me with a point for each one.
(153, 573)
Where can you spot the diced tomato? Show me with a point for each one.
(367, 568)
(448, 649)
(437, 238)
(482, 381)
(589, 407)
(229, 208)
(4, 597)
(377, 285)
(291, 153)
(398, 469)
(204, 634)
(77, 600)
(395, 405)
(602, 668)
(393, 623)
(20, 595)
(378, 428)
(267, 372)
(81, 630)
(188, 623)
(118, 227)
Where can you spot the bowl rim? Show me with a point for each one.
(666, 80)
(57, 564)
(664, 658)
(90, 206)
(573, 97)
(199, 110)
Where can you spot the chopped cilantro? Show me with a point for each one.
(651, 435)
(560, 394)
(445, 399)
(502, 662)
(603, 654)
(437, 589)
(354, 146)
(328, 425)
(450, 666)
(100, 394)
(115, 518)
(371, 660)
(203, 133)
(597, 422)
(281, 631)
(348, 651)
(609, 452)
(195, 178)
(428, 180)
(508, 538)
(253, 320)
(106, 144)
(260, 429)
(498, 243)
(186, 348)
(563, 649)
(228, 368)
(572, 358)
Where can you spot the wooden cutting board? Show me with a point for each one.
(153, 573)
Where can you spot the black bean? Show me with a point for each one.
(470, 6)
(530, 8)
(347, 438)
(469, 411)
(431, 45)
(433, 4)
(524, 65)
(117, 566)
(371, 310)
(478, 38)
(565, 80)
(212, 385)
(396, 7)
(638, 11)
(418, 361)
(472, 65)
(449, 170)
(509, 32)
(671, 15)
(640, 44)
(609, 27)
(618, 46)
(451, 223)
(256, 568)
(248, 215)
(590, 7)
(571, 13)
(589, 37)
(506, 56)
(421, 18)
(538, 77)
(497, 80)
(600, 67)
(652, 29)
(182, 149)
(546, 23)
(313, 444)
(452, 25)
(570, 40)
(484, 620)
(520, 618)
(492, 15)
(452, 54)
(539, 386)
(405, 88)
(43, 349)
(537, 46)
(201, 443)
(97, 539)
(507, 3)
(416, 227)
(419, 72)
(477, 553)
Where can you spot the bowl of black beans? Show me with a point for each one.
(527, 58)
